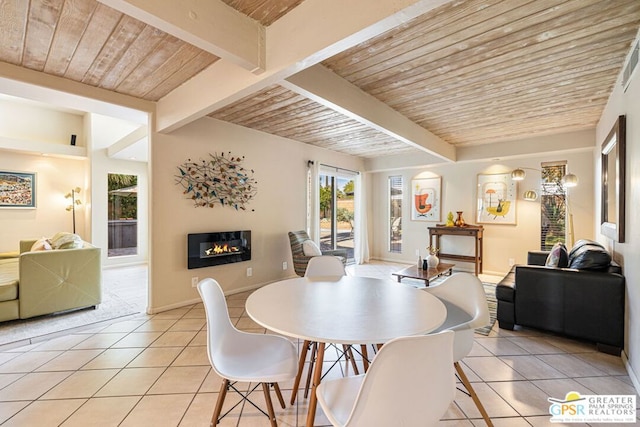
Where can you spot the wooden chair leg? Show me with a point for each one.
(312, 361)
(218, 409)
(349, 355)
(267, 398)
(276, 387)
(472, 392)
(301, 362)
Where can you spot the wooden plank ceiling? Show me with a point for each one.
(476, 72)
(471, 72)
(88, 42)
(482, 71)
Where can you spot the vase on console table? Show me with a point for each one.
(432, 261)
(459, 222)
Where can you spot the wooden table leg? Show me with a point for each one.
(365, 357)
(317, 376)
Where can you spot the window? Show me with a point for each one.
(395, 214)
(553, 205)
(122, 202)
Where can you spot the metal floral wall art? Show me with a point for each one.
(218, 180)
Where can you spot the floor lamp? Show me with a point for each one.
(72, 207)
(569, 181)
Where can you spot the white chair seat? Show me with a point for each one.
(257, 358)
(457, 318)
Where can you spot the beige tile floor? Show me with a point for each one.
(154, 371)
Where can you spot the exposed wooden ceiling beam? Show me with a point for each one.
(327, 88)
(210, 25)
(127, 141)
(38, 86)
(310, 33)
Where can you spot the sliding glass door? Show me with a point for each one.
(337, 210)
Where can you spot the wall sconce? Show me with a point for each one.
(74, 202)
(530, 195)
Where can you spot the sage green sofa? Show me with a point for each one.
(50, 281)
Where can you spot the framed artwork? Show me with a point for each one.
(17, 190)
(426, 194)
(497, 195)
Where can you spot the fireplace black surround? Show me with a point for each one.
(216, 248)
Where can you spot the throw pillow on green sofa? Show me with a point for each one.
(66, 240)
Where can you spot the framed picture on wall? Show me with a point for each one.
(497, 195)
(17, 190)
(425, 199)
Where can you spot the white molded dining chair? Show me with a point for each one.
(238, 356)
(320, 266)
(324, 266)
(409, 383)
(467, 309)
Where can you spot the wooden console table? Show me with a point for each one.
(474, 231)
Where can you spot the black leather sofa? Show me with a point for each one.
(586, 303)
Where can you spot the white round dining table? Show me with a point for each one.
(344, 310)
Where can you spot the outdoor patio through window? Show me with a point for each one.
(122, 201)
(337, 210)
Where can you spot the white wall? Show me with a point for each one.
(55, 177)
(280, 167)
(102, 132)
(459, 182)
(627, 103)
(29, 122)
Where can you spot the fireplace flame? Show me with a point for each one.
(222, 249)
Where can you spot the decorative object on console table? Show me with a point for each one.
(475, 231)
(19, 190)
(496, 199)
(459, 222)
(450, 222)
(426, 199)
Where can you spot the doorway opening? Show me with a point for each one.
(122, 202)
(337, 210)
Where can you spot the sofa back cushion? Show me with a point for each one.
(589, 255)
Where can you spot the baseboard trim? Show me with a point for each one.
(156, 310)
(632, 374)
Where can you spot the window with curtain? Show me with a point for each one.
(553, 206)
(395, 214)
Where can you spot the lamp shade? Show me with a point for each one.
(518, 174)
(530, 195)
(569, 180)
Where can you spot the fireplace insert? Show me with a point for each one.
(216, 248)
